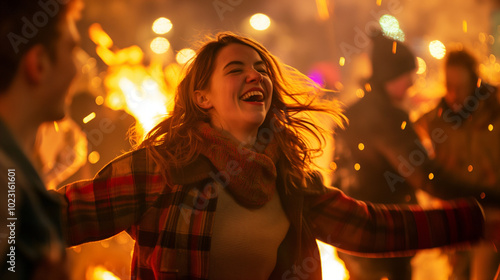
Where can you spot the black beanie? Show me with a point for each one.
(387, 65)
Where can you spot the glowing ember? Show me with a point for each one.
(470, 168)
(357, 166)
(342, 61)
(361, 146)
(88, 118)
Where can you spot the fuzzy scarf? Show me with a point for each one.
(249, 176)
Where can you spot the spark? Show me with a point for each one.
(89, 117)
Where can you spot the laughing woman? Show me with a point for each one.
(223, 189)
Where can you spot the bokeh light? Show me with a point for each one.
(390, 28)
(99, 100)
(162, 25)
(94, 157)
(260, 21)
(422, 66)
(360, 93)
(159, 45)
(184, 55)
(437, 49)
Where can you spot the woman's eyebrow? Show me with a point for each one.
(236, 62)
(233, 63)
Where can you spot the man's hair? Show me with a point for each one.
(24, 24)
(463, 58)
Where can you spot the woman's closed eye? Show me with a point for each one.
(234, 71)
(263, 71)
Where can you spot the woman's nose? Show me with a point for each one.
(254, 76)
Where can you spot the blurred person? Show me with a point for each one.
(379, 157)
(36, 70)
(223, 188)
(469, 116)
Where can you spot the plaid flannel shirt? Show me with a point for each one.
(172, 221)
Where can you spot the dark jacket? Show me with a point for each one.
(378, 138)
(392, 161)
(471, 150)
(32, 212)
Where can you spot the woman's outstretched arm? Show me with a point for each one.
(114, 200)
(393, 230)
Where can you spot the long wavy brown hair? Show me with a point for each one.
(175, 141)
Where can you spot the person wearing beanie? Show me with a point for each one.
(390, 59)
(379, 157)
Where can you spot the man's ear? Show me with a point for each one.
(36, 64)
(202, 100)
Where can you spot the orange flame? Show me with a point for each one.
(332, 266)
(141, 91)
(100, 273)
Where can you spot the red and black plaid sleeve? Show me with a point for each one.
(114, 200)
(393, 230)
